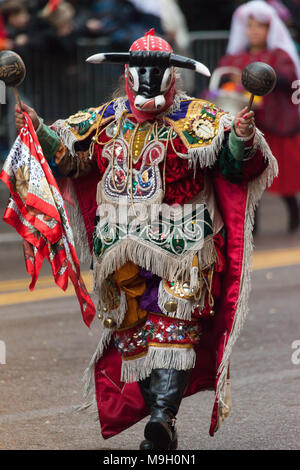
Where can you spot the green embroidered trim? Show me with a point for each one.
(169, 235)
(49, 141)
(236, 145)
(190, 138)
(230, 167)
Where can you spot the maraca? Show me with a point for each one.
(12, 71)
(259, 79)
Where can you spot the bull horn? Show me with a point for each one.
(187, 63)
(136, 58)
(112, 57)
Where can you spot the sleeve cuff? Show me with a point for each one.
(49, 141)
(238, 146)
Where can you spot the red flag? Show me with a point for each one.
(37, 211)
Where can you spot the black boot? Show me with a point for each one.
(167, 387)
(293, 209)
(147, 395)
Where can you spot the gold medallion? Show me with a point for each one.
(78, 118)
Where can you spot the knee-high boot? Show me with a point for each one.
(167, 387)
(148, 397)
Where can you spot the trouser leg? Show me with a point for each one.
(293, 210)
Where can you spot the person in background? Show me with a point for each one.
(281, 9)
(258, 34)
(5, 42)
(122, 21)
(62, 35)
(25, 32)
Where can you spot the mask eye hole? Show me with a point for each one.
(142, 71)
(156, 71)
(130, 78)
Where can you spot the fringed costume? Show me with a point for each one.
(165, 207)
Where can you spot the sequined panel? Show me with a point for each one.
(163, 329)
(158, 329)
(131, 342)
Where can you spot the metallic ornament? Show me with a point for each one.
(78, 118)
(203, 129)
(100, 316)
(109, 322)
(212, 312)
(171, 305)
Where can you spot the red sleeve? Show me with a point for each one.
(254, 167)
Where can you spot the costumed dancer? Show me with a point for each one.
(173, 293)
(258, 34)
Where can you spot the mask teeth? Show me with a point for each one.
(159, 101)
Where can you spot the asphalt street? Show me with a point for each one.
(48, 348)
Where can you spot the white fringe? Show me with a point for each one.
(91, 408)
(185, 307)
(118, 315)
(167, 358)
(134, 370)
(119, 107)
(78, 228)
(148, 257)
(178, 97)
(255, 191)
(67, 136)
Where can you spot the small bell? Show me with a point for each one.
(100, 316)
(171, 305)
(211, 312)
(105, 309)
(109, 322)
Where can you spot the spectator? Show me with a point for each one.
(258, 34)
(25, 31)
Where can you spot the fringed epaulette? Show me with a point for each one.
(201, 126)
(80, 126)
(84, 122)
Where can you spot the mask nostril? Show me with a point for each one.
(142, 71)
